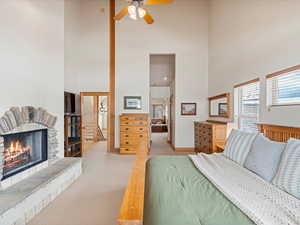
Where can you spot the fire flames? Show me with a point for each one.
(16, 154)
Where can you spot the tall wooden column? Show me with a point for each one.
(112, 73)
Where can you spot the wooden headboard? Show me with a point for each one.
(279, 133)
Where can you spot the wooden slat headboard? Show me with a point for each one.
(279, 133)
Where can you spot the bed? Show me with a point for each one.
(173, 191)
(177, 194)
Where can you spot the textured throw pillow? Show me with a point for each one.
(238, 145)
(264, 157)
(288, 174)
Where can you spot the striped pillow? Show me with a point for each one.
(238, 145)
(288, 174)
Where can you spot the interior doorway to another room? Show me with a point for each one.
(162, 97)
(95, 118)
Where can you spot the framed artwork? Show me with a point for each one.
(158, 111)
(188, 109)
(223, 109)
(133, 102)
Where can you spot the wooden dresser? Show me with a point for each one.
(208, 135)
(134, 129)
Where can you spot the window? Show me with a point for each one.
(283, 88)
(247, 105)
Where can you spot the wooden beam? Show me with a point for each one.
(112, 73)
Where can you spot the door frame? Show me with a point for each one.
(110, 140)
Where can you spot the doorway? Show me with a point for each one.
(95, 118)
(162, 98)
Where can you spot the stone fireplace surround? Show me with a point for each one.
(24, 119)
(25, 194)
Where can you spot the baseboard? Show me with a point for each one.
(185, 149)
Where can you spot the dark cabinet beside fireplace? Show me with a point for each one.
(73, 140)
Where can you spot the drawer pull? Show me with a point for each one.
(126, 118)
(141, 129)
(127, 128)
(127, 142)
(126, 123)
(141, 136)
(127, 135)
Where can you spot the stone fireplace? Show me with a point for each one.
(28, 143)
(31, 174)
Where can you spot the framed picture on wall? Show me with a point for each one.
(188, 109)
(133, 102)
(223, 109)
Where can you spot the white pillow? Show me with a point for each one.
(238, 145)
(288, 174)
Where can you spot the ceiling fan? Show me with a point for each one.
(137, 10)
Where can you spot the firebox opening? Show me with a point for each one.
(24, 150)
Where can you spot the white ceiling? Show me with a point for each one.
(162, 70)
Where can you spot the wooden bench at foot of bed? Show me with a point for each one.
(131, 212)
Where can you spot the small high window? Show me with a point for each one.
(283, 88)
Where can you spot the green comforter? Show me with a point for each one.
(177, 193)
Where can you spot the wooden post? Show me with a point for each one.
(112, 74)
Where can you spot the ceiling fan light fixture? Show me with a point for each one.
(132, 10)
(132, 16)
(141, 12)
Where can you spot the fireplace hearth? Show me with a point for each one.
(24, 150)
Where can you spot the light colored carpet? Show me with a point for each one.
(95, 198)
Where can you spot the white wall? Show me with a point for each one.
(162, 70)
(136, 40)
(160, 92)
(250, 39)
(72, 40)
(87, 56)
(86, 49)
(32, 57)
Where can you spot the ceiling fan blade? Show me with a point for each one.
(121, 14)
(157, 2)
(148, 18)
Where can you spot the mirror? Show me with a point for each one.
(219, 106)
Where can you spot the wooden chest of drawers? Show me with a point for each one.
(134, 129)
(208, 135)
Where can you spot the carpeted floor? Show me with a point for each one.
(95, 198)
